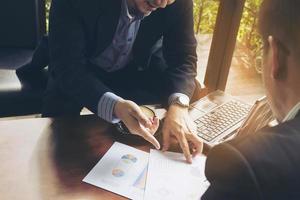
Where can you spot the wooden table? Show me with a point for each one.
(48, 158)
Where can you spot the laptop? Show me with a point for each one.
(220, 117)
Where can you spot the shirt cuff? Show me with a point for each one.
(175, 96)
(106, 107)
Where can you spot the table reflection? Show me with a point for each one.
(68, 149)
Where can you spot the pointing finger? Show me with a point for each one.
(197, 144)
(170, 2)
(166, 139)
(164, 3)
(155, 125)
(148, 136)
(184, 146)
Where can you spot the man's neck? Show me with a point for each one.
(289, 88)
(133, 10)
(132, 7)
(291, 105)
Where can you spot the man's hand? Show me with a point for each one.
(136, 121)
(160, 3)
(179, 126)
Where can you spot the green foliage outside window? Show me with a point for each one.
(248, 41)
(249, 38)
(48, 4)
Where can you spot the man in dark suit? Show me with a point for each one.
(266, 165)
(110, 55)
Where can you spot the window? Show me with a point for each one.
(244, 78)
(205, 14)
(235, 53)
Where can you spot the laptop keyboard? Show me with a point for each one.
(222, 118)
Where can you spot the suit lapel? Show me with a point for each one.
(107, 23)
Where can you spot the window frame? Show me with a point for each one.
(223, 44)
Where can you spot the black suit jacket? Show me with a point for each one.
(265, 165)
(81, 29)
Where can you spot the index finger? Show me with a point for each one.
(184, 146)
(192, 137)
(154, 126)
(164, 3)
(166, 138)
(156, 2)
(170, 2)
(197, 143)
(149, 137)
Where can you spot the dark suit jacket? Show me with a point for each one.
(265, 165)
(81, 29)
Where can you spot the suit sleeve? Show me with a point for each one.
(230, 175)
(68, 60)
(179, 49)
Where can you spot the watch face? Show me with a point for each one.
(184, 100)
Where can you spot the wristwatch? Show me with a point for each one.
(183, 101)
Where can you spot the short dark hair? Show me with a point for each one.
(281, 19)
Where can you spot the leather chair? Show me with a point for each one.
(22, 27)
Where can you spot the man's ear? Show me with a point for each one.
(279, 58)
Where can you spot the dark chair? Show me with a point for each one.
(22, 27)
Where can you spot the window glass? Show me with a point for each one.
(205, 14)
(244, 78)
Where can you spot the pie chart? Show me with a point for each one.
(118, 172)
(128, 158)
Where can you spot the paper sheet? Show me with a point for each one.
(122, 170)
(170, 177)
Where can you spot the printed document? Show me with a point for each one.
(122, 170)
(170, 177)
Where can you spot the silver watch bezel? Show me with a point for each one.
(182, 101)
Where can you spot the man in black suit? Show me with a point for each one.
(110, 55)
(266, 165)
